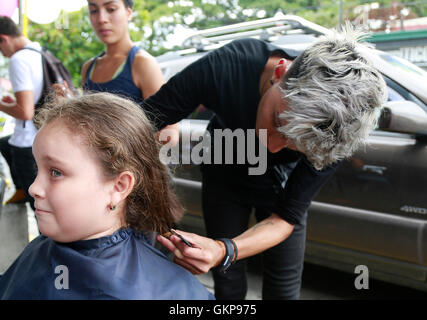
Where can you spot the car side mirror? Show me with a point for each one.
(404, 117)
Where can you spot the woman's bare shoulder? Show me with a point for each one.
(144, 57)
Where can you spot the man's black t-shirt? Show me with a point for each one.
(226, 81)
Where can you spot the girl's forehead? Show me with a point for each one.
(59, 124)
(58, 128)
(57, 138)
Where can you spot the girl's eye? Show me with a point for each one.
(55, 173)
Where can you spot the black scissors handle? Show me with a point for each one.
(171, 232)
(183, 239)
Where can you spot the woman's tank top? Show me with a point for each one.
(121, 85)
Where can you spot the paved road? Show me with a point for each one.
(17, 227)
(13, 233)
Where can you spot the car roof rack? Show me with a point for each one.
(266, 29)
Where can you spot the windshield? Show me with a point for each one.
(404, 65)
(405, 74)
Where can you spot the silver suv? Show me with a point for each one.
(373, 211)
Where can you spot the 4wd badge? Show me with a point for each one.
(413, 209)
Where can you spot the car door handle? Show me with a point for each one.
(374, 169)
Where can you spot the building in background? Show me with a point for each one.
(408, 44)
(396, 30)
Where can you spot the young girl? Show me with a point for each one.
(123, 68)
(100, 185)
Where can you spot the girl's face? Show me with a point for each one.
(109, 19)
(72, 196)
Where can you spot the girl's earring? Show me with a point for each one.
(112, 207)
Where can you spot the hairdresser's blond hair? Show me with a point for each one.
(334, 94)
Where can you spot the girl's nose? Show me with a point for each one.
(35, 190)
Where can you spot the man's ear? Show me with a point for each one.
(122, 186)
(280, 69)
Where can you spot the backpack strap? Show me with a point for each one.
(53, 72)
(91, 67)
(33, 49)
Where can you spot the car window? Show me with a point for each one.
(405, 78)
(408, 68)
(393, 95)
(396, 92)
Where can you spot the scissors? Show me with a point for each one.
(172, 232)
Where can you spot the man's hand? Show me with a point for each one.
(169, 135)
(8, 101)
(22, 107)
(205, 253)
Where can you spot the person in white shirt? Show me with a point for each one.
(26, 76)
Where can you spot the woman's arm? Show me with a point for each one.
(207, 253)
(146, 74)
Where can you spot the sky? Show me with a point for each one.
(47, 11)
(37, 9)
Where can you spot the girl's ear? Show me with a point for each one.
(122, 187)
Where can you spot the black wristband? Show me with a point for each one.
(235, 251)
(229, 254)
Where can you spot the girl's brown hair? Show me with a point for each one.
(122, 137)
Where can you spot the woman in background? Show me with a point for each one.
(123, 69)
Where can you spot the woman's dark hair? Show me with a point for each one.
(123, 139)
